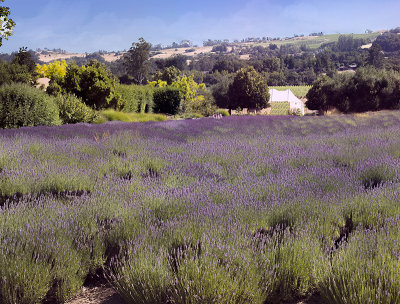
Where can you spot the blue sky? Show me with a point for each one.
(91, 25)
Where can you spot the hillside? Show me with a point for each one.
(312, 42)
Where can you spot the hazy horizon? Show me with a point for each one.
(89, 26)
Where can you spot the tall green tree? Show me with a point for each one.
(375, 57)
(23, 57)
(248, 90)
(221, 88)
(137, 62)
(7, 24)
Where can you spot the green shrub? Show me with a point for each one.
(23, 280)
(375, 176)
(135, 98)
(94, 83)
(217, 279)
(365, 271)
(167, 100)
(73, 110)
(144, 278)
(222, 112)
(11, 72)
(54, 89)
(22, 105)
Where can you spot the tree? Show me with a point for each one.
(248, 90)
(7, 24)
(221, 88)
(167, 100)
(97, 85)
(375, 57)
(169, 75)
(137, 60)
(10, 72)
(23, 57)
(190, 92)
(94, 83)
(54, 70)
(317, 97)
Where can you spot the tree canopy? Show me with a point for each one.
(137, 61)
(248, 90)
(7, 24)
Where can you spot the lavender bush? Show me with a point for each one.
(235, 210)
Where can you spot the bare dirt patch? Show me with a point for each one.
(166, 53)
(97, 295)
(52, 56)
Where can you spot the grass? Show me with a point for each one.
(112, 115)
(280, 108)
(316, 42)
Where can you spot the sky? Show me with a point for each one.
(92, 25)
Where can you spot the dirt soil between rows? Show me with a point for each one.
(97, 295)
(107, 295)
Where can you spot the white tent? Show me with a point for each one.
(286, 96)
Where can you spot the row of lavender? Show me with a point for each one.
(234, 210)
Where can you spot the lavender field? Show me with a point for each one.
(248, 209)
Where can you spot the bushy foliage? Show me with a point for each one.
(368, 89)
(222, 112)
(94, 83)
(220, 90)
(169, 75)
(390, 42)
(248, 90)
(7, 24)
(11, 72)
(73, 110)
(192, 93)
(54, 70)
(167, 100)
(22, 105)
(134, 98)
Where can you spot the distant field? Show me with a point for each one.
(298, 91)
(314, 42)
(280, 108)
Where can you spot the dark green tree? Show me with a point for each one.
(375, 57)
(137, 62)
(317, 97)
(220, 90)
(94, 83)
(97, 85)
(10, 72)
(249, 89)
(23, 57)
(166, 100)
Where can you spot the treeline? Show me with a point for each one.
(369, 89)
(288, 64)
(187, 86)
